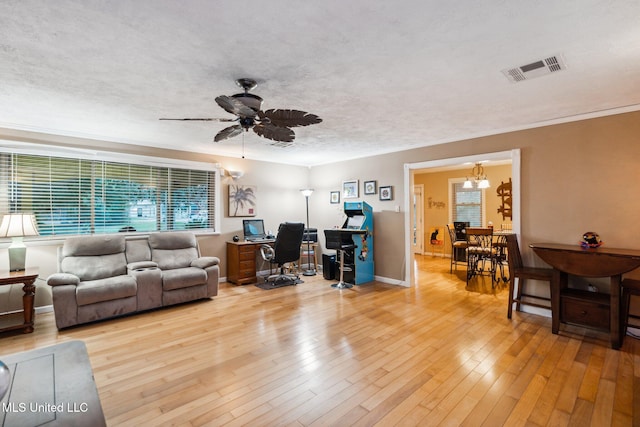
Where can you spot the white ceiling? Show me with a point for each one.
(383, 76)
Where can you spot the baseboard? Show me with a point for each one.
(44, 309)
(391, 281)
(545, 312)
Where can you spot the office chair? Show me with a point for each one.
(285, 249)
(334, 240)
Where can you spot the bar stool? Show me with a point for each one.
(333, 240)
(629, 287)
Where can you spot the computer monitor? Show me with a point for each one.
(253, 229)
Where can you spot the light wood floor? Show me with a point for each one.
(310, 355)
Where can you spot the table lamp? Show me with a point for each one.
(16, 226)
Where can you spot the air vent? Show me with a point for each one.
(538, 68)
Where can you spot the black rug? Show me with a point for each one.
(278, 284)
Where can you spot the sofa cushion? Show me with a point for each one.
(175, 258)
(93, 245)
(112, 288)
(173, 250)
(172, 240)
(183, 278)
(137, 250)
(95, 267)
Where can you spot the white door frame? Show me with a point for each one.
(419, 219)
(513, 155)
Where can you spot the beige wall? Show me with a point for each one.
(575, 177)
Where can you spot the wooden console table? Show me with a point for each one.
(27, 278)
(583, 307)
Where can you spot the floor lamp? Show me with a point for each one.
(308, 272)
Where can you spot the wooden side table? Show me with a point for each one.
(27, 278)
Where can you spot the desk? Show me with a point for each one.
(241, 261)
(582, 307)
(27, 278)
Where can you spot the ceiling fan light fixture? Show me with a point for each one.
(250, 100)
(273, 124)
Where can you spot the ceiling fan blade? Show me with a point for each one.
(290, 118)
(234, 106)
(229, 132)
(276, 133)
(203, 119)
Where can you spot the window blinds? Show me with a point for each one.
(467, 205)
(80, 196)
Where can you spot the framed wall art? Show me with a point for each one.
(386, 193)
(335, 197)
(370, 187)
(350, 189)
(242, 200)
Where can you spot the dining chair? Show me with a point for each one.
(629, 287)
(457, 247)
(480, 252)
(518, 271)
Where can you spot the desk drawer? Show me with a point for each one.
(247, 268)
(585, 312)
(247, 256)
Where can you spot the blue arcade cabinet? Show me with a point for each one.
(359, 228)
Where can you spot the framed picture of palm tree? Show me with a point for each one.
(242, 200)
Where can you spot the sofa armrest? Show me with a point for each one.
(57, 279)
(205, 261)
(140, 265)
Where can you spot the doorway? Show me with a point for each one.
(410, 169)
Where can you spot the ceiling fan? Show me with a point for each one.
(274, 124)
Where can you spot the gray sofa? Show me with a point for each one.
(107, 276)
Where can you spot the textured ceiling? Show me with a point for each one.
(383, 76)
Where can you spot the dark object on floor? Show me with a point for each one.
(329, 266)
(278, 284)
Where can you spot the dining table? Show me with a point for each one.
(584, 307)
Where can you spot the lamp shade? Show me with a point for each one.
(307, 192)
(18, 225)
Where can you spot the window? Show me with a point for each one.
(80, 196)
(467, 204)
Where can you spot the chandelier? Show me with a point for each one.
(478, 176)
